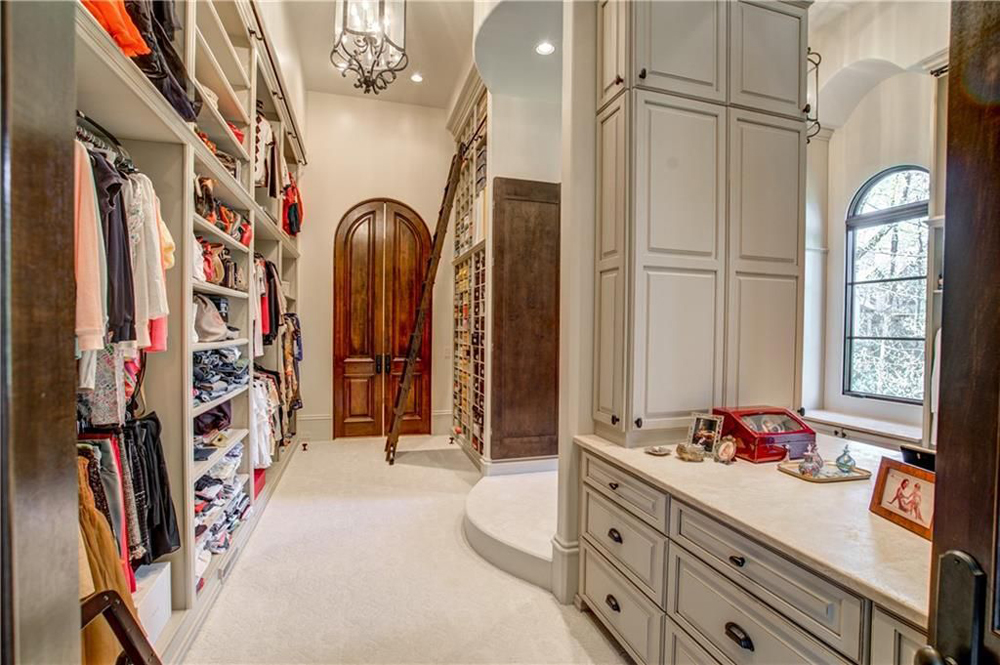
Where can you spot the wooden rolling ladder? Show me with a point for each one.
(430, 274)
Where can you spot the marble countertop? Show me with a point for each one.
(826, 527)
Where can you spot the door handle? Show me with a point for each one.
(378, 363)
(961, 612)
(931, 656)
(738, 635)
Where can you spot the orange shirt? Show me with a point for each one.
(113, 16)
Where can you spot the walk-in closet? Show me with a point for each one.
(188, 394)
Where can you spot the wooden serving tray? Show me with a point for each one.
(829, 474)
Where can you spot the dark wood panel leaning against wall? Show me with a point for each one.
(967, 482)
(41, 608)
(525, 346)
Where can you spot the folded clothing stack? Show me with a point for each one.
(218, 372)
(221, 502)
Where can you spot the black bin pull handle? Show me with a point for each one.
(612, 602)
(615, 535)
(738, 635)
(737, 561)
(613, 485)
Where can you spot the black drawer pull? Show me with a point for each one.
(612, 602)
(613, 485)
(614, 419)
(615, 535)
(737, 561)
(619, 80)
(738, 635)
(642, 73)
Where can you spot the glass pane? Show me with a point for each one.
(896, 189)
(890, 309)
(891, 250)
(771, 423)
(889, 368)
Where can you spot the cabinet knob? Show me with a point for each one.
(642, 73)
(613, 485)
(638, 423)
(615, 535)
(615, 419)
(738, 635)
(612, 602)
(737, 561)
(619, 80)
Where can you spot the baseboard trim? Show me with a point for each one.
(508, 467)
(317, 416)
(565, 570)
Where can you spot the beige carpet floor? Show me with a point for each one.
(358, 562)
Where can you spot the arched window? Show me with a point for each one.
(887, 286)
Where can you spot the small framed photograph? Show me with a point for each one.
(904, 495)
(705, 430)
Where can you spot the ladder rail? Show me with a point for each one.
(430, 275)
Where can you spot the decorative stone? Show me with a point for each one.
(690, 452)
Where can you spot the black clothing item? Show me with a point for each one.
(158, 521)
(218, 418)
(163, 66)
(121, 291)
(163, 11)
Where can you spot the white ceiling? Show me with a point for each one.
(438, 42)
(505, 49)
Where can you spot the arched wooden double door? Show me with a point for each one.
(380, 253)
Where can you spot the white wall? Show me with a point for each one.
(360, 149)
(893, 124)
(814, 331)
(525, 138)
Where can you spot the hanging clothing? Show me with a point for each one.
(99, 646)
(263, 150)
(292, 211)
(91, 283)
(121, 296)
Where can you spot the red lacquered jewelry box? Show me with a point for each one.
(766, 433)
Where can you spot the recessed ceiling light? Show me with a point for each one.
(545, 48)
(416, 77)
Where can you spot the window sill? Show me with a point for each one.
(882, 432)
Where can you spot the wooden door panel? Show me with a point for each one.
(407, 247)
(358, 327)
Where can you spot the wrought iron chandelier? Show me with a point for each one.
(813, 61)
(369, 40)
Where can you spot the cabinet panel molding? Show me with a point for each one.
(767, 65)
(612, 49)
(893, 642)
(763, 351)
(681, 47)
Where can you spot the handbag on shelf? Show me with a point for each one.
(204, 199)
(213, 258)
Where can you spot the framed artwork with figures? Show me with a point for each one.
(904, 495)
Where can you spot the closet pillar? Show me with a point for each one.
(40, 610)
(576, 282)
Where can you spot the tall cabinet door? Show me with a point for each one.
(768, 57)
(407, 249)
(679, 288)
(766, 258)
(681, 47)
(612, 49)
(359, 326)
(609, 282)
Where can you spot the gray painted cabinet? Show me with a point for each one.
(676, 586)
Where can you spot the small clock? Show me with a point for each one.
(724, 450)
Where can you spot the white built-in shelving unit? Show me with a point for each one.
(226, 49)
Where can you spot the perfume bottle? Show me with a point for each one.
(845, 462)
(811, 463)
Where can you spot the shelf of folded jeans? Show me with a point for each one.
(208, 406)
(201, 468)
(111, 89)
(202, 225)
(222, 344)
(215, 289)
(220, 512)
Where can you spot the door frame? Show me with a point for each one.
(381, 325)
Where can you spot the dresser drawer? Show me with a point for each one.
(715, 610)
(633, 618)
(632, 545)
(680, 649)
(821, 607)
(647, 503)
(893, 642)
